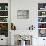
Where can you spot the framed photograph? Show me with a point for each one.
(22, 14)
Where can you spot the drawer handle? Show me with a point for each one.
(1, 39)
(43, 39)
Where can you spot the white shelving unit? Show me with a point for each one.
(4, 23)
(42, 18)
(4, 17)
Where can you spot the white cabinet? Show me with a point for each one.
(3, 40)
(42, 19)
(41, 41)
(4, 21)
(42, 24)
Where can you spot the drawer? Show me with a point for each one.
(3, 41)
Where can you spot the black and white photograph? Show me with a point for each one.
(22, 14)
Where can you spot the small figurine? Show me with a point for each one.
(31, 27)
(13, 27)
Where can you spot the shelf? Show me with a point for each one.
(41, 22)
(41, 28)
(3, 16)
(41, 10)
(3, 22)
(3, 10)
(42, 16)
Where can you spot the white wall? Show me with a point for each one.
(32, 6)
(23, 24)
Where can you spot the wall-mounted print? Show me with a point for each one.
(42, 33)
(22, 14)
